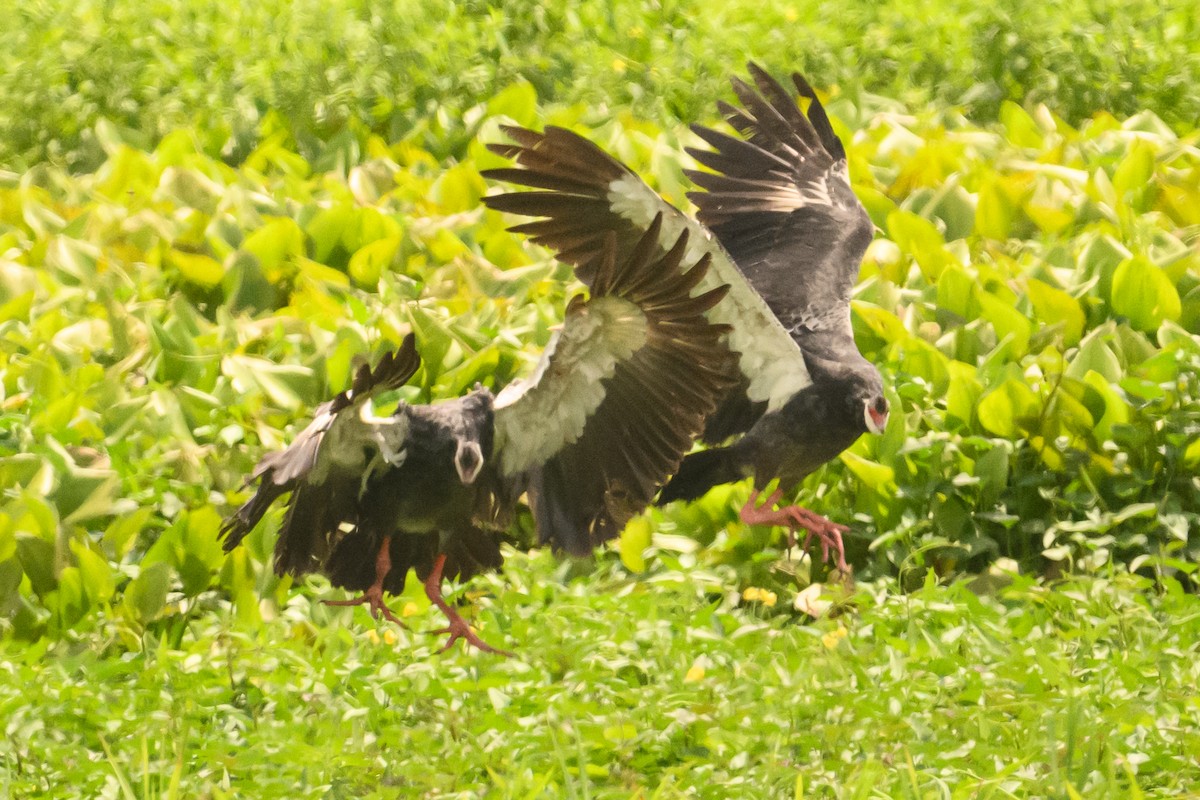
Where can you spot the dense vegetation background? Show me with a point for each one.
(207, 211)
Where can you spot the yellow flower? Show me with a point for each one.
(389, 636)
(753, 593)
(831, 639)
(410, 609)
(618, 65)
(372, 637)
(696, 673)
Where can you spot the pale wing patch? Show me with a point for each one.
(567, 386)
(344, 446)
(767, 355)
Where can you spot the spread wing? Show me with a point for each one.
(323, 467)
(620, 394)
(779, 201)
(585, 197)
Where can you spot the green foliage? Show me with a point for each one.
(79, 74)
(672, 685)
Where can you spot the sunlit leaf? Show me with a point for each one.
(635, 538)
(369, 262)
(1008, 409)
(1054, 306)
(147, 593)
(1143, 293)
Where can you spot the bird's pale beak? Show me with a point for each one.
(876, 422)
(468, 460)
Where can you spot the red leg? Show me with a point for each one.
(828, 533)
(458, 627)
(373, 596)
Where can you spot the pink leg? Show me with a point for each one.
(373, 596)
(828, 533)
(458, 627)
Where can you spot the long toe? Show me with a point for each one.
(828, 533)
(459, 629)
(373, 602)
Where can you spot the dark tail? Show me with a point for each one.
(699, 472)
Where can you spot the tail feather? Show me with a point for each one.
(699, 472)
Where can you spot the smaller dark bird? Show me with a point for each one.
(619, 396)
(784, 229)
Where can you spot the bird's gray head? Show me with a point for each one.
(468, 460)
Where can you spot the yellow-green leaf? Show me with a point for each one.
(1143, 293)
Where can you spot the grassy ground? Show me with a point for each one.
(667, 685)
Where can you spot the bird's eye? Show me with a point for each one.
(881, 405)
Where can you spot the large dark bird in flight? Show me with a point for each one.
(783, 228)
(620, 394)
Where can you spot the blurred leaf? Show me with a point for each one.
(1006, 410)
(201, 550)
(994, 212)
(1136, 169)
(279, 239)
(197, 268)
(920, 239)
(1143, 293)
(95, 574)
(635, 538)
(122, 532)
(878, 477)
(39, 561)
(370, 261)
(147, 593)
(1054, 306)
(518, 101)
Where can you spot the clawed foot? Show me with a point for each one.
(373, 596)
(828, 533)
(373, 599)
(459, 629)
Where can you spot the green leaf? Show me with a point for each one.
(1020, 128)
(1144, 294)
(1008, 409)
(201, 550)
(1006, 321)
(95, 574)
(147, 593)
(38, 561)
(878, 477)
(633, 543)
(368, 264)
(921, 239)
(994, 212)
(458, 189)
(8, 538)
(123, 533)
(197, 268)
(1095, 355)
(1055, 307)
(517, 101)
(956, 292)
(1136, 169)
(962, 394)
(276, 241)
(327, 228)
